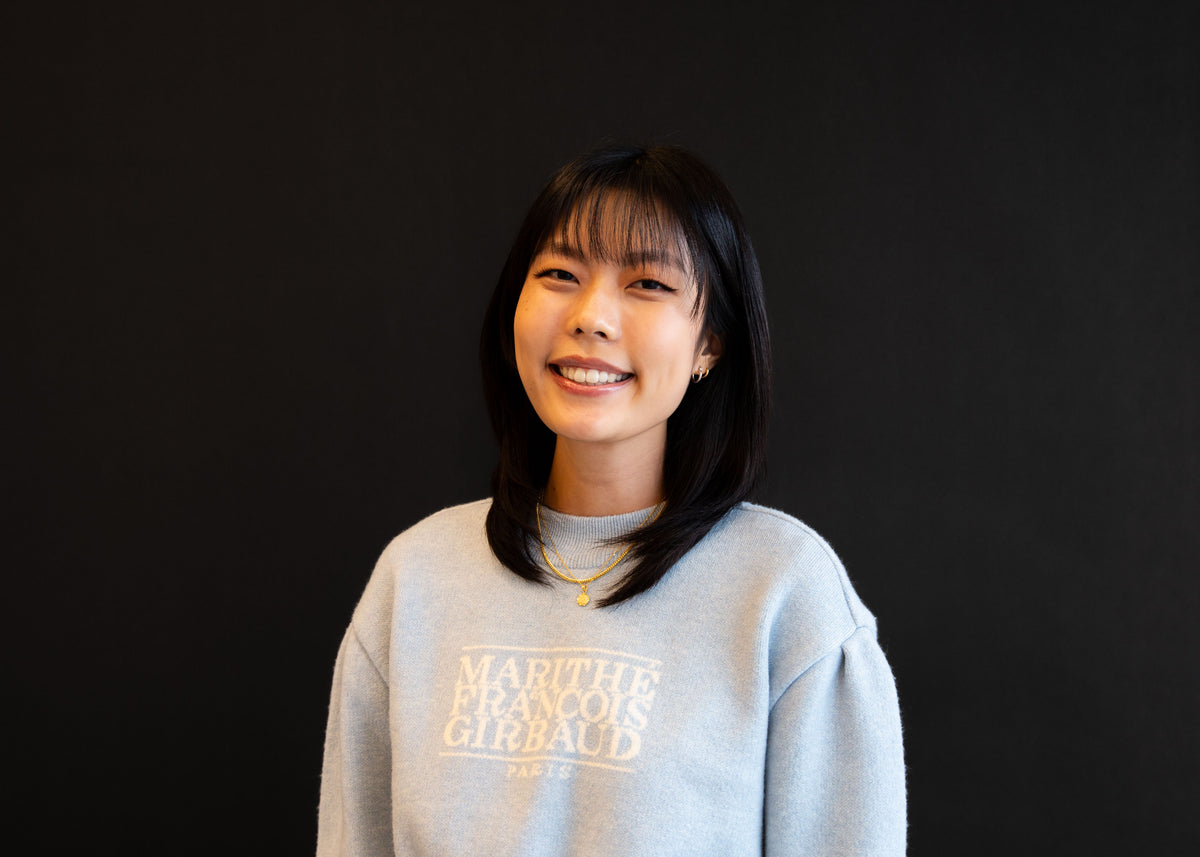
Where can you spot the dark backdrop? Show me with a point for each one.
(252, 251)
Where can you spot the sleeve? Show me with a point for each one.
(355, 817)
(835, 761)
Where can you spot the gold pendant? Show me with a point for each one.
(583, 599)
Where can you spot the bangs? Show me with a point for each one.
(624, 226)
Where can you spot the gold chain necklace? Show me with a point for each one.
(583, 598)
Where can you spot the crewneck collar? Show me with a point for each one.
(585, 543)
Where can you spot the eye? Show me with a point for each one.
(556, 274)
(648, 285)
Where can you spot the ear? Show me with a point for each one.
(710, 350)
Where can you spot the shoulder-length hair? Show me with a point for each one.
(716, 438)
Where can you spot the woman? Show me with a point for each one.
(617, 654)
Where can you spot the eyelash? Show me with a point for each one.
(550, 272)
(655, 285)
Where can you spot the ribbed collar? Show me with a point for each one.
(584, 543)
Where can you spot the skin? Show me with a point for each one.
(633, 317)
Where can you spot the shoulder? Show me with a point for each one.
(452, 517)
(444, 537)
(448, 531)
(779, 532)
(777, 541)
(805, 596)
(416, 560)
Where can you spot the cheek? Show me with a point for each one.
(680, 348)
(527, 338)
(670, 359)
(521, 324)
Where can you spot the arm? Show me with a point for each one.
(356, 806)
(835, 762)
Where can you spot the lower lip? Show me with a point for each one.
(587, 389)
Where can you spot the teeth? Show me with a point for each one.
(590, 376)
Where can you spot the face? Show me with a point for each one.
(606, 349)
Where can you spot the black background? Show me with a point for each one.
(252, 252)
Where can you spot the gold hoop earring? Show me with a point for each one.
(699, 375)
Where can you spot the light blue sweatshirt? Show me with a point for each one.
(742, 706)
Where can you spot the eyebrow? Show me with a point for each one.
(632, 258)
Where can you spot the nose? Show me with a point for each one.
(596, 312)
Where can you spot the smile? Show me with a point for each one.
(591, 377)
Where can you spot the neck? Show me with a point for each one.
(596, 479)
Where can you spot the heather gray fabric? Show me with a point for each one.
(742, 706)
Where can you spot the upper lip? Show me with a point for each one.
(589, 363)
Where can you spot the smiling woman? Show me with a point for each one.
(723, 693)
(605, 349)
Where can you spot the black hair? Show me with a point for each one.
(716, 438)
